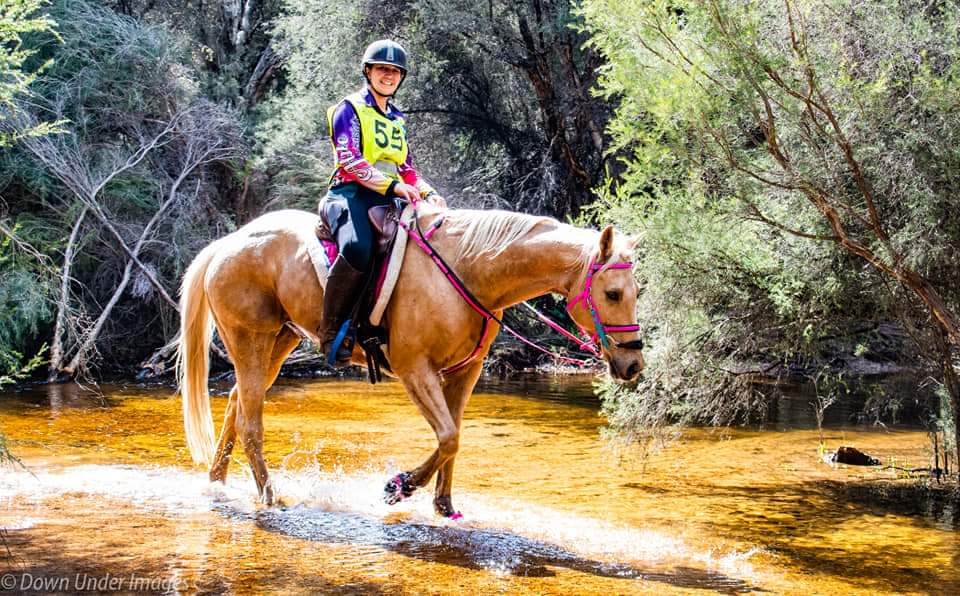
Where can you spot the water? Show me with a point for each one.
(111, 495)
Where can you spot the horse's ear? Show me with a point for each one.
(606, 244)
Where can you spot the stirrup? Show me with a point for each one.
(337, 342)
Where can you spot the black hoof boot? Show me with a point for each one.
(398, 488)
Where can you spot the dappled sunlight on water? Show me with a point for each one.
(549, 506)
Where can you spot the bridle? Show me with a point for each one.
(601, 330)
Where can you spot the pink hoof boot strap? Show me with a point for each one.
(398, 488)
(444, 506)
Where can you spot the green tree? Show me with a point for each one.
(815, 143)
(131, 187)
(23, 295)
(17, 18)
(498, 98)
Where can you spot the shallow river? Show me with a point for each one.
(111, 501)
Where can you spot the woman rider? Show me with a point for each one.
(373, 165)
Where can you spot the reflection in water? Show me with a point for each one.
(499, 551)
(551, 509)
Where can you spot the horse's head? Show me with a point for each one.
(604, 305)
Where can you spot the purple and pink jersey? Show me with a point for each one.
(348, 152)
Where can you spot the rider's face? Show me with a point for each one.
(384, 78)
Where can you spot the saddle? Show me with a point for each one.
(366, 330)
(383, 218)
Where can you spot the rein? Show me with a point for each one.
(587, 343)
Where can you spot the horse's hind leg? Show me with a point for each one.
(285, 342)
(456, 390)
(252, 353)
(218, 470)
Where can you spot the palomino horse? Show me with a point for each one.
(251, 283)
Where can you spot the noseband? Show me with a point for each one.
(601, 329)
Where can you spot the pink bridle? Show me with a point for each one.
(600, 329)
(588, 342)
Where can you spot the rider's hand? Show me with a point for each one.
(406, 191)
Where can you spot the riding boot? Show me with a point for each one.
(344, 284)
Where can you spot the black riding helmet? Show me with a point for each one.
(385, 51)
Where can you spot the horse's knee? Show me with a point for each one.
(449, 444)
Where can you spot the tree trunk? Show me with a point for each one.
(584, 113)
(56, 348)
(952, 385)
(261, 76)
(538, 72)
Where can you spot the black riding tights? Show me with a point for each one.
(354, 234)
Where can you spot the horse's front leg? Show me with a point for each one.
(423, 386)
(456, 390)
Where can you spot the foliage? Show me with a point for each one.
(138, 169)
(513, 80)
(792, 169)
(321, 66)
(497, 98)
(23, 304)
(17, 18)
(228, 42)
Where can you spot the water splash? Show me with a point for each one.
(501, 537)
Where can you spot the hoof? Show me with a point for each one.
(398, 489)
(266, 495)
(444, 507)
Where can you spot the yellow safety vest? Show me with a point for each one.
(383, 141)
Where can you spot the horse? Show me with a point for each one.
(258, 284)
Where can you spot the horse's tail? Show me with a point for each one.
(193, 358)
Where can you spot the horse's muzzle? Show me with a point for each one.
(626, 367)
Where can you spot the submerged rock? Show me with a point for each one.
(851, 456)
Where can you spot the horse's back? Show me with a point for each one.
(263, 273)
(301, 223)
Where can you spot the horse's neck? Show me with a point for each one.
(547, 259)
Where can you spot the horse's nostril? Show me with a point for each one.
(633, 370)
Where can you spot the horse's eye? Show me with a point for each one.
(613, 295)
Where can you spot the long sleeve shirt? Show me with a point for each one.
(353, 166)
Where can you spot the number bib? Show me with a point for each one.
(381, 139)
